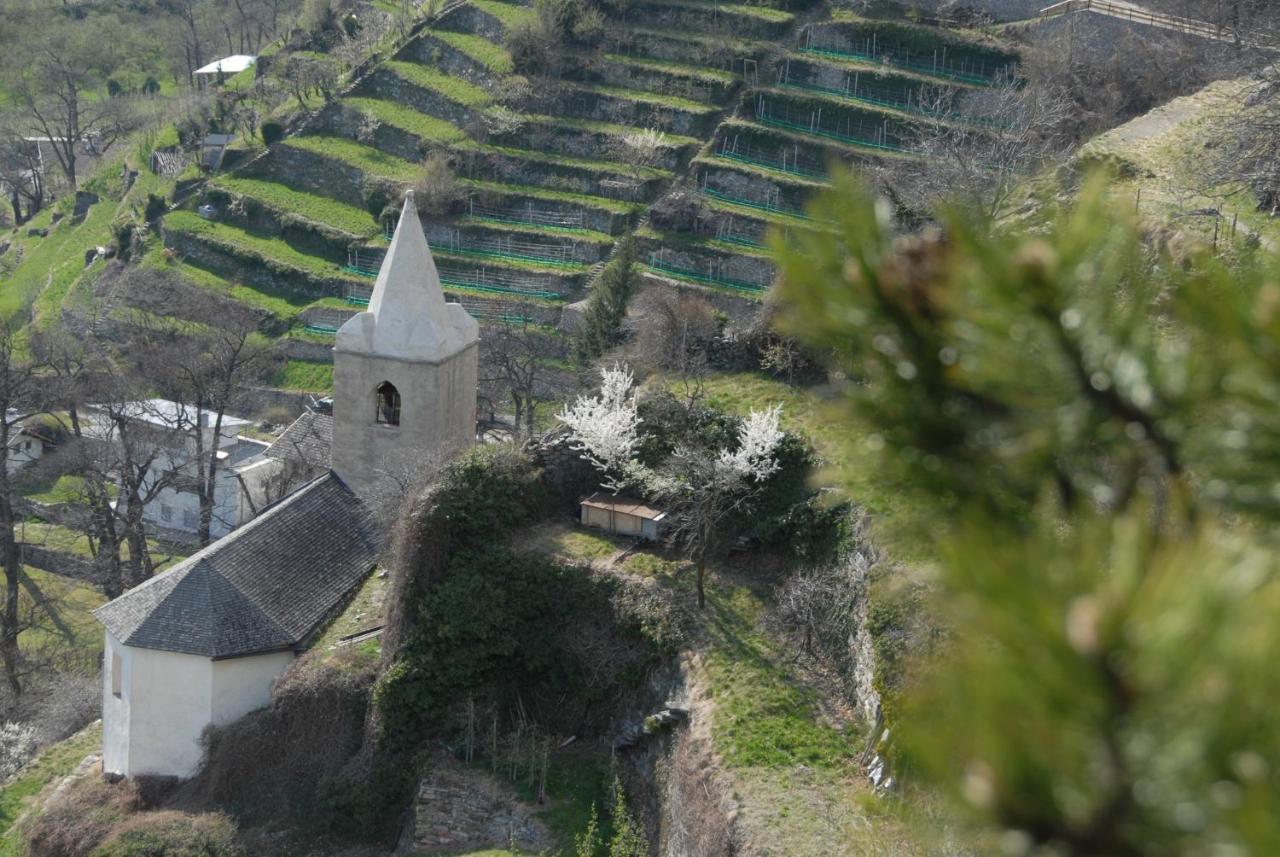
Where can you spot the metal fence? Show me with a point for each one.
(883, 135)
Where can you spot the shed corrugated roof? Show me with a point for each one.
(625, 505)
(265, 586)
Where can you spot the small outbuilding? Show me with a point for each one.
(623, 516)
(220, 70)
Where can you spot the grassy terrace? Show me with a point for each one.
(317, 209)
(599, 202)
(453, 88)
(745, 47)
(422, 126)
(682, 241)
(672, 140)
(763, 13)
(674, 68)
(557, 232)
(365, 158)
(496, 260)
(52, 764)
(852, 64)
(774, 174)
(305, 375)
(242, 243)
(675, 102)
(508, 14)
(780, 218)
(281, 305)
(586, 164)
(491, 56)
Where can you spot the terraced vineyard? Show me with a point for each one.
(742, 107)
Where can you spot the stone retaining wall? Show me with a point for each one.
(461, 809)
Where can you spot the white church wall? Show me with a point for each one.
(169, 706)
(116, 695)
(241, 685)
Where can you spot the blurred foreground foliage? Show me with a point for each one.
(1087, 411)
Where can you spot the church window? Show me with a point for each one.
(388, 404)
(117, 674)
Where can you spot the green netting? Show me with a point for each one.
(792, 170)
(706, 278)
(898, 62)
(514, 257)
(760, 206)
(324, 329)
(893, 104)
(830, 135)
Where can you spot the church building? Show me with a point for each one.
(202, 643)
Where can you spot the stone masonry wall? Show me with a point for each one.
(460, 809)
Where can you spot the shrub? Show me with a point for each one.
(602, 320)
(272, 132)
(74, 822)
(376, 199)
(155, 208)
(436, 190)
(173, 834)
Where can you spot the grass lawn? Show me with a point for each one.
(508, 14)
(614, 205)
(453, 88)
(313, 377)
(242, 243)
(51, 765)
(366, 158)
(645, 97)
(491, 56)
(309, 206)
(422, 126)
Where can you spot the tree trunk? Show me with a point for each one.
(702, 593)
(9, 651)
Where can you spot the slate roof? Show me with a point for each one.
(307, 439)
(266, 586)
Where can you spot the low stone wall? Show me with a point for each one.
(707, 19)
(428, 50)
(745, 185)
(497, 166)
(314, 239)
(619, 110)
(469, 19)
(696, 88)
(389, 86)
(311, 172)
(582, 143)
(599, 219)
(461, 809)
(249, 269)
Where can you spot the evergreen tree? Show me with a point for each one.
(1090, 422)
(602, 320)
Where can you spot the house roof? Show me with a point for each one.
(168, 414)
(625, 505)
(307, 440)
(233, 64)
(264, 587)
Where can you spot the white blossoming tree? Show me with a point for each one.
(701, 487)
(605, 428)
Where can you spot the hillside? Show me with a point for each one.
(697, 126)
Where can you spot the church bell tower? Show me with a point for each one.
(404, 371)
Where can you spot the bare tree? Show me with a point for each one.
(204, 363)
(57, 80)
(1247, 157)
(18, 392)
(522, 366)
(21, 175)
(705, 487)
(977, 148)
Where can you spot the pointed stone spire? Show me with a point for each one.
(408, 318)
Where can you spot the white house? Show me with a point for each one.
(244, 478)
(26, 447)
(201, 643)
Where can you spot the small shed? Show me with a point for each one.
(212, 149)
(220, 70)
(624, 516)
